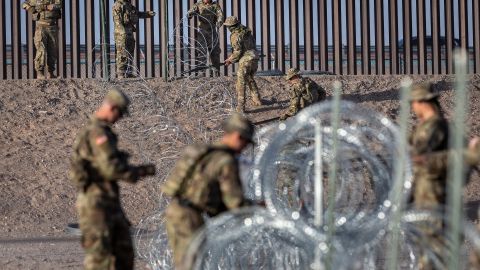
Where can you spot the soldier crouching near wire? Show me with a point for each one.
(125, 18)
(46, 13)
(97, 164)
(205, 180)
(303, 93)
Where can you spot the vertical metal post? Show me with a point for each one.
(399, 175)
(177, 7)
(422, 59)
(75, 39)
(62, 50)
(137, 55)
(16, 40)
(365, 10)
(436, 53)
(149, 43)
(337, 38)
(463, 20)
(103, 23)
(280, 36)
(318, 186)
(351, 30)
(3, 42)
(294, 35)
(456, 171)
(407, 37)
(449, 34)
(192, 36)
(222, 38)
(322, 35)
(308, 33)
(164, 39)
(90, 38)
(379, 39)
(393, 37)
(476, 34)
(30, 46)
(267, 60)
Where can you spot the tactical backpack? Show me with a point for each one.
(182, 172)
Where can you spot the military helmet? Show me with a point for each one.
(239, 123)
(231, 21)
(291, 73)
(116, 97)
(422, 92)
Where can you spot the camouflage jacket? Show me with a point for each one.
(39, 10)
(439, 160)
(208, 178)
(209, 15)
(243, 44)
(125, 17)
(97, 164)
(429, 137)
(302, 94)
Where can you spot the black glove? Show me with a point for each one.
(146, 170)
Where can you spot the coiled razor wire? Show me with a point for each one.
(366, 157)
(423, 243)
(254, 238)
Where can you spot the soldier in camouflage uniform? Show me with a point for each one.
(125, 19)
(429, 185)
(303, 92)
(244, 52)
(46, 13)
(205, 180)
(96, 166)
(210, 18)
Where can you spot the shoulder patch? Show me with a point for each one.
(101, 139)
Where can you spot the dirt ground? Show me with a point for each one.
(39, 120)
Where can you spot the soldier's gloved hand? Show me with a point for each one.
(151, 13)
(219, 24)
(228, 62)
(146, 170)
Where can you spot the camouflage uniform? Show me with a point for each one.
(303, 93)
(96, 166)
(125, 19)
(244, 52)
(204, 180)
(429, 185)
(210, 17)
(46, 33)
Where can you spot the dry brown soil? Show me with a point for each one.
(39, 120)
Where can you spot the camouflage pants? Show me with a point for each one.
(45, 40)
(105, 236)
(245, 77)
(208, 43)
(182, 223)
(125, 47)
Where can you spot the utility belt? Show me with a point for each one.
(189, 204)
(47, 23)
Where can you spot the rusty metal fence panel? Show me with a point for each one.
(376, 37)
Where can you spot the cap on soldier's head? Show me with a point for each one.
(422, 92)
(116, 97)
(291, 73)
(239, 123)
(231, 21)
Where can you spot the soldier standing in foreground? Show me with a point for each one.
(46, 13)
(429, 185)
(303, 93)
(125, 18)
(210, 18)
(244, 52)
(96, 166)
(205, 180)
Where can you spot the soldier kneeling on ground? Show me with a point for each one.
(303, 93)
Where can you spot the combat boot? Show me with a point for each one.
(40, 75)
(51, 75)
